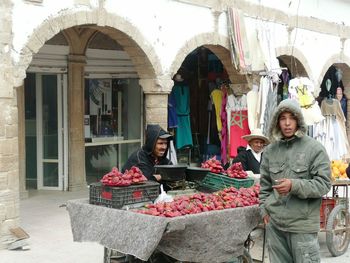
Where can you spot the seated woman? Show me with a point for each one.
(251, 156)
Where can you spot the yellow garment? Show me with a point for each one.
(216, 96)
(305, 98)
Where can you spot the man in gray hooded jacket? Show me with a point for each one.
(295, 174)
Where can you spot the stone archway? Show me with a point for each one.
(217, 44)
(141, 52)
(78, 29)
(156, 85)
(345, 68)
(295, 61)
(343, 62)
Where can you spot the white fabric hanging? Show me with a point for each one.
(252, 105)
(171, 155)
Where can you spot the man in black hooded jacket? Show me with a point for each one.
(152, 153)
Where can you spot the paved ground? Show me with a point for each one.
(51, 239)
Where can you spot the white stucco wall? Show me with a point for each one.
(167, 26)
(336, 11)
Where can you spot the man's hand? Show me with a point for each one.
(283, 186)
(266, 219)
(158, 177)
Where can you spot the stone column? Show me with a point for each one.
(156, 109)
(156, 102)
(76, 140)
(9, 189)
(21, 143)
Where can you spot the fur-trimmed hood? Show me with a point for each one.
(292, 106)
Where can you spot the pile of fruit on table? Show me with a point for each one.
(338, 169)
(234, 171)
(117, 178)
(202, 202)
(213, 165)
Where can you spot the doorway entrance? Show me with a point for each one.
(46, 131)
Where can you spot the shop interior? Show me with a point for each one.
(202, 72)
(111, 127)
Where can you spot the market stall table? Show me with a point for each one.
(215, 236)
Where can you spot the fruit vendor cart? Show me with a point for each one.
(203, 227)
(215, 236)
(335, 218)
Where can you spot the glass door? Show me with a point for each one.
(50, 95)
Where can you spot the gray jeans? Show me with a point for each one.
(287, 247)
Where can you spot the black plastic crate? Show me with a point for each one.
(117, 197)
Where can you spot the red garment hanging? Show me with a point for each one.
(238, 127)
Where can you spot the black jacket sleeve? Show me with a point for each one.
(242, 158)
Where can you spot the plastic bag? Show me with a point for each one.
(163, 197)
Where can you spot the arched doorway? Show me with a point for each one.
(203, 70)
(337, 81)
(291, 68)
(81, 93)
(113, 106)
(295, 67)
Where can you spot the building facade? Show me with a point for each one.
(81, 78)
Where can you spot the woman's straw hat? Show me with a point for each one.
(256, 134)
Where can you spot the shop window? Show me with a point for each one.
(112, 124)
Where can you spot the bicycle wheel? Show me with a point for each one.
(337, 238)
(246, 257)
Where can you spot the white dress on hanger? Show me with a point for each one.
(336, 142)
(252, 103)
(301, 89)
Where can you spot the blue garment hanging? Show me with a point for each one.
(183, 133)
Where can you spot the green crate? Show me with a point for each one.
(218, 182)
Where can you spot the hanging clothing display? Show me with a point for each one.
(343, 103)
(237, 114)
(335, 82)
(171, 155)
(267, 101)
(285, 81)
(216, 97)
(224, 132)
(262, 99)
(331, 132)
(267, 45)
(172, 116)
(301, 89)
(252, 105)
(183, 132)
(271, 105)
(239, 47)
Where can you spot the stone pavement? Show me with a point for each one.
(51, 239)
